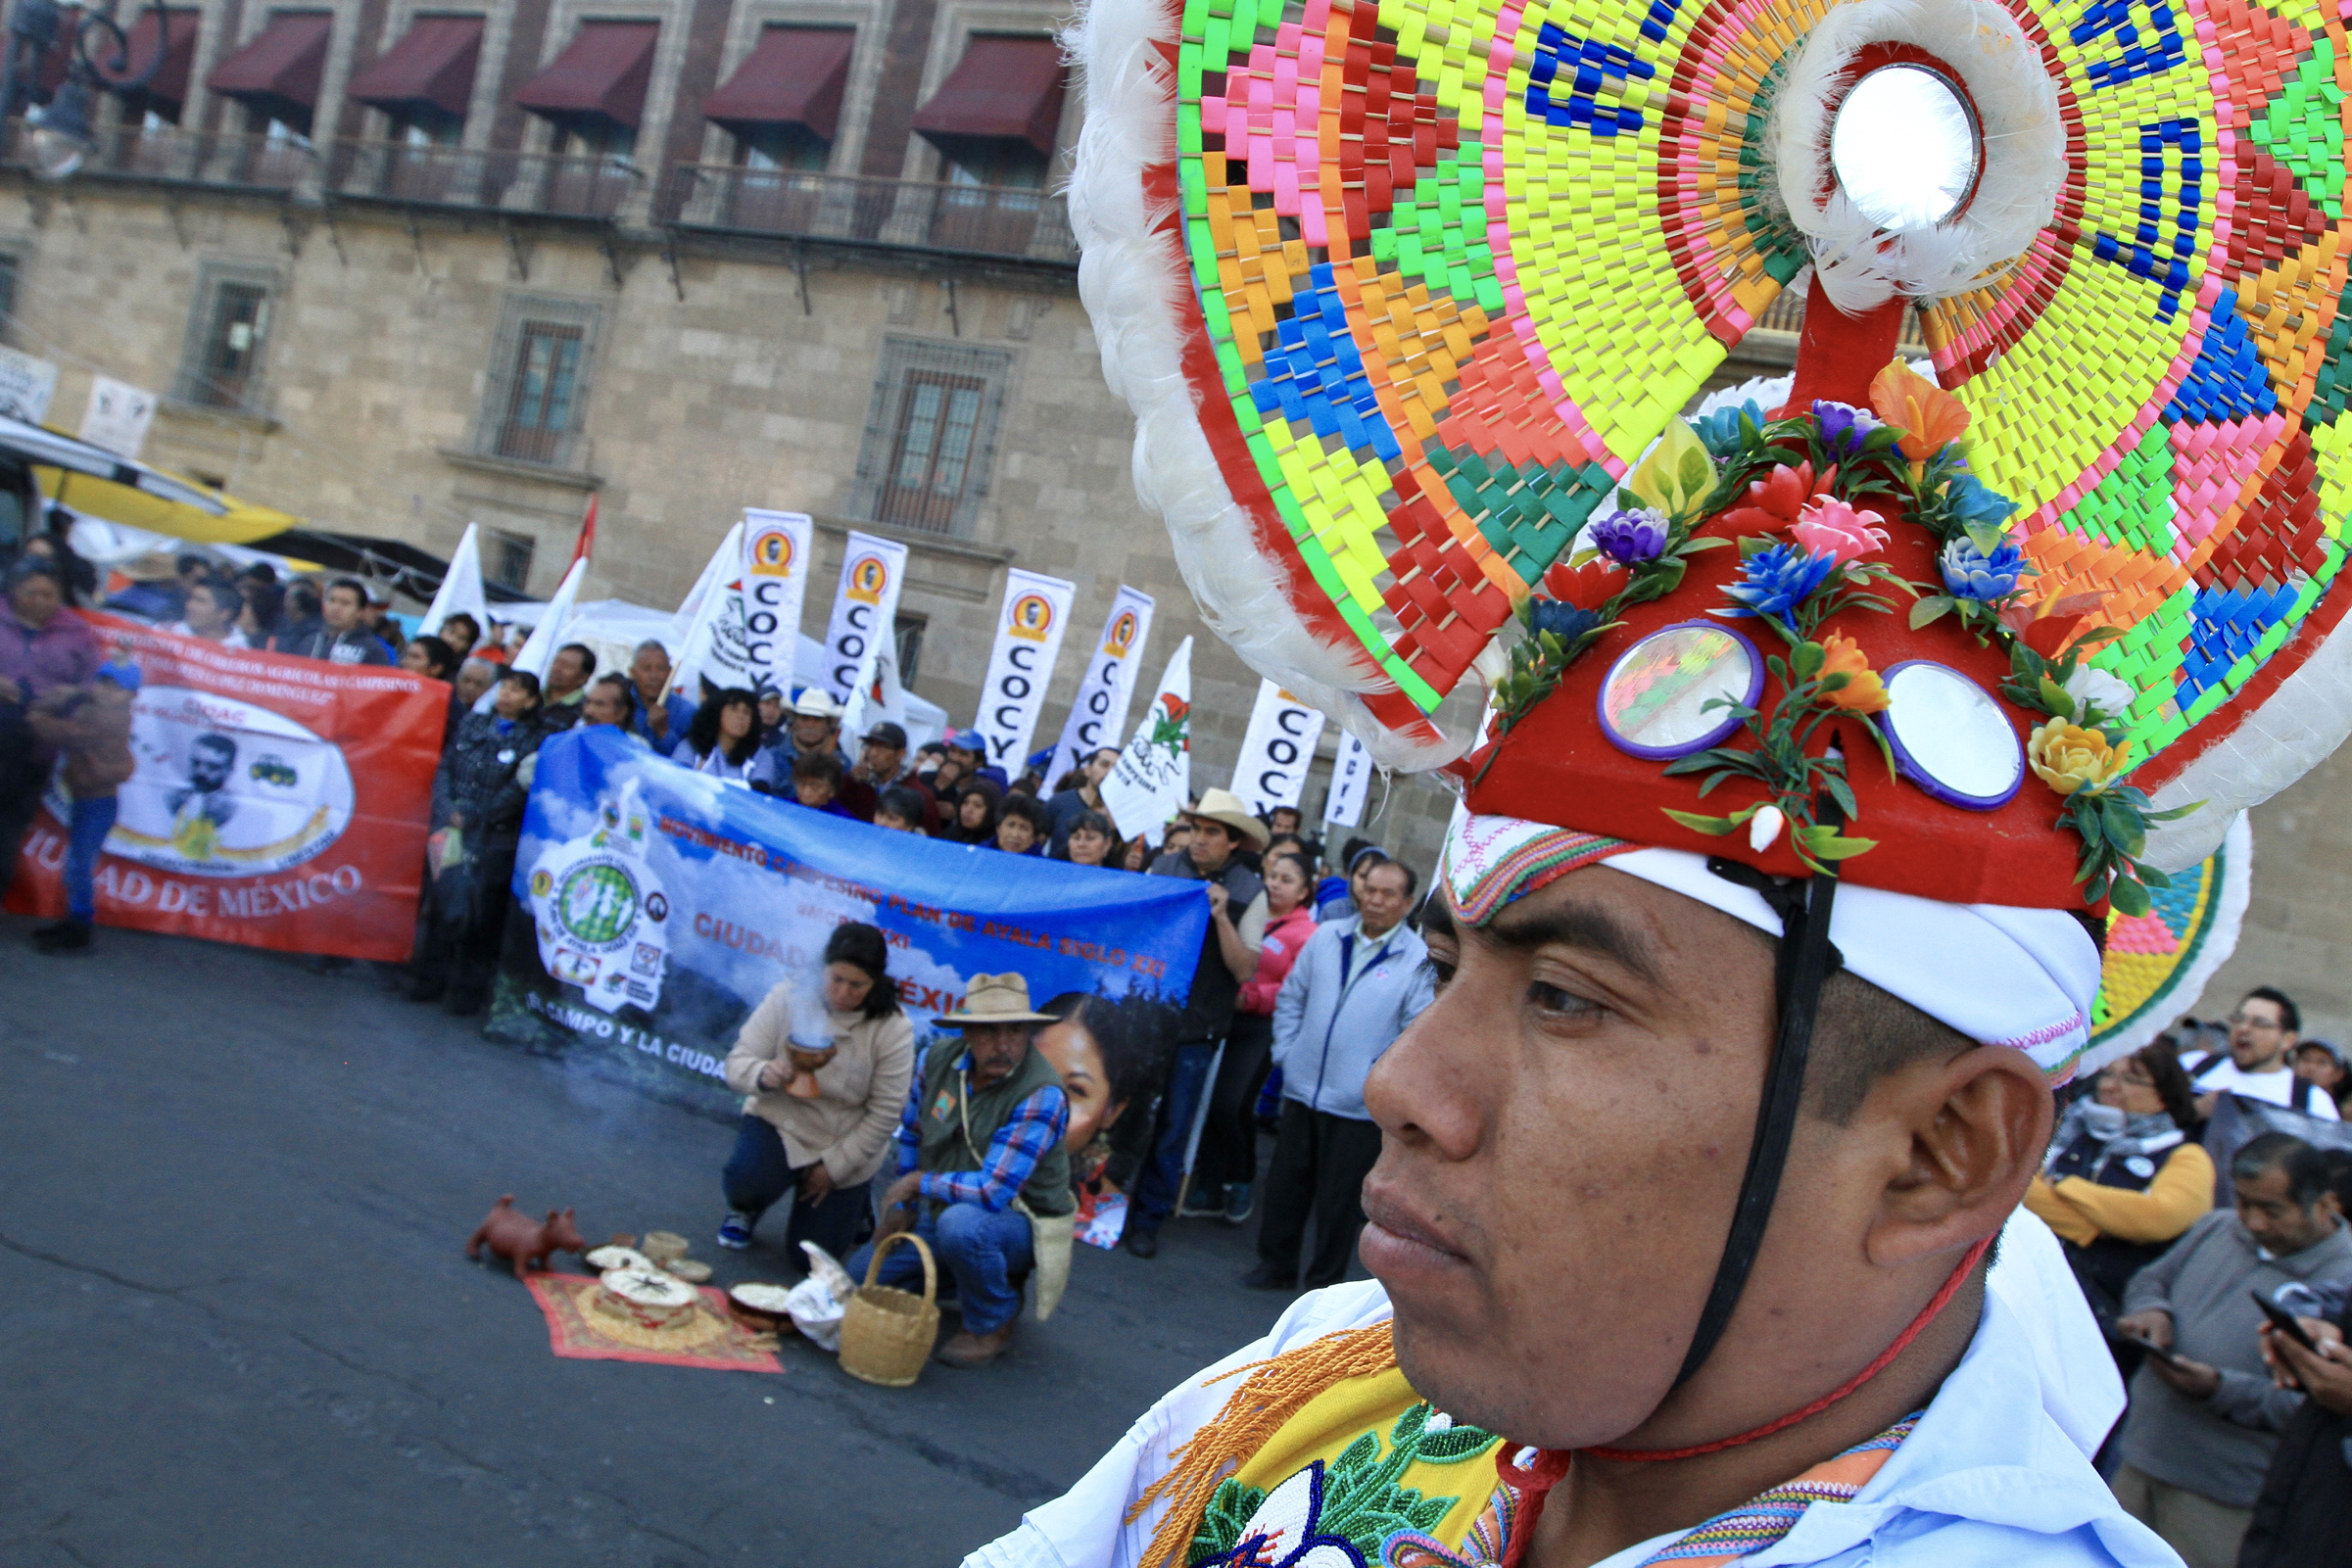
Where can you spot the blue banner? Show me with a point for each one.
(656, 906)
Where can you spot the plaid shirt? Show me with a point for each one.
(1030, 1131)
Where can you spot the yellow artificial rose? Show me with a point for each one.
(1676, 477)
(2069, 757)
(1863, 691)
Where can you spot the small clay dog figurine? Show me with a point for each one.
(523, 1242)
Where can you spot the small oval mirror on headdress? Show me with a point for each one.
(1906, 147)
(1654, 700)
(1950, 738)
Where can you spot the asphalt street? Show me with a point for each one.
(233, 1199)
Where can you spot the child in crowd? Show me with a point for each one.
(90, 726)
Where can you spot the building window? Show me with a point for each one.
(930, 433)
(907, 636)
(8, 299)
(222, 366)
(508, 562)
(536, 392)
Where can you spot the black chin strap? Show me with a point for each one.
(1805, 962)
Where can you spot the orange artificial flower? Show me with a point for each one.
(1863, 691)
(1931, 418)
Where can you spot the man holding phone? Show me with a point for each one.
(2206, 1412)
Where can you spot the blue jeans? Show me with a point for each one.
(1155, 1195)
(982, 1249)
(86, 834)
(759, 1174)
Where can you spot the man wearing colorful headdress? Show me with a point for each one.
(1825, 738)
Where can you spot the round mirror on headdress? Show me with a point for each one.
(1666, 695)
(1950, 738)
(1906, 147)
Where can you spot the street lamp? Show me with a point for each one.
(62, 133)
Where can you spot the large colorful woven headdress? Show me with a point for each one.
(1402, 293)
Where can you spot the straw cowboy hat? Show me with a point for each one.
(816, 703)
(995, 998)
(1225, 808)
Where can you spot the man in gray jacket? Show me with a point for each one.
(1356, 985)
(2200, 1433)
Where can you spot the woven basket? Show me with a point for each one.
(887, 1334)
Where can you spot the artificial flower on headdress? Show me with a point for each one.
(1837, 529)
(1720, 432)
(1856, 686)
(1971, 572)
(1676, 478)
(1776, 501)
(1775, 580)
(1630, 537)
(1844, 429)
(1930, 418)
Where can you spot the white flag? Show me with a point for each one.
(775, 577)
(1276, 750)
(1153, 778)
(1351, 782)
(1029, 642)
(714, 605)
(877, 699)
(460, 589)
(864, 608)
(1099, 713)
(539, 649)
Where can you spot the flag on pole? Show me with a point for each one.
(876, 698)
(1153, 778)
(586, 544)
(694, 629)
(460, 589)
(1277, 750)
(1099, 713)
(1351, 782)
(538, 651)
(1028, 642)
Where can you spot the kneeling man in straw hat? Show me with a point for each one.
(980, 1158)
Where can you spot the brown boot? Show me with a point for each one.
(966, 1349)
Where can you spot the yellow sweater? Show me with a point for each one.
(2083, 1211)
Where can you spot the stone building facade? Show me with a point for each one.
(396, 266)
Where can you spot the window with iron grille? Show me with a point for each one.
(930, 433)
(907, 634)
(8, 298)
(508, 560)
(228, 330)
(536, 392)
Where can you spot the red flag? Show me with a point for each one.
(587, 535)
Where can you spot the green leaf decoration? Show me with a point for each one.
(2054, 700)
(1715, 826)
(1824, 842)
(1806, 659)
(1928, 609)
(1228, 1512)
(2129, 896)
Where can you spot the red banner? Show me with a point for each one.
(276, 802)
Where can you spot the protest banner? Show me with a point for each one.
(865, 607)
(1351, 782)
(460, 589)
(1028, 642)
(1152, 780)
(1099, 713)
(657, 906)
(1276, 750)
(774, 580)
(274, 801)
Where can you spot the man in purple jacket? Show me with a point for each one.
(41, 648)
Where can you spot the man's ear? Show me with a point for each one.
(1978, 1126)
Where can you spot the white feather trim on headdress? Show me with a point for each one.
(1130, 274)
(2023, 144)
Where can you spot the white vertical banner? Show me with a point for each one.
(460, 588)
(864, 608)
(1029, 640)
(1099, 713)
(1276, 750)
(1153, 778)
(775, 580)
(694, 634)
(1351, 782)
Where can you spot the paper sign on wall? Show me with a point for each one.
(774, 578)
(865, 607)
(118, 417)
(26, 386)
(1099, 713)
(1276, 750)
(1029, 639)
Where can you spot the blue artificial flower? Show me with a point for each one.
(1843, 428)
(1973, 505)
(1630, 537)
(1719, 432)
(1776, 580)
(1970, 573)
(1562, 619)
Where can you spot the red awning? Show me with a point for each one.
(603, 71)
(1005, 88)
(282, 66)
(432, 64)
(794, 77)
(178, 43)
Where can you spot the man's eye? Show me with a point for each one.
(1440, 972)
(1551, 999)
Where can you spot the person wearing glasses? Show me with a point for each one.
(2260, 1060)
(2123, 1179)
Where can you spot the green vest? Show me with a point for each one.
(941, 1127)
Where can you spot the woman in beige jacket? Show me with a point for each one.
(817, 1122)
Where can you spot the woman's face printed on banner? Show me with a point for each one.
(1078, 1056)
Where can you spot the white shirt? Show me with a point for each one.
(234, 640)
(1996, 1475)
(2278, 1088)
